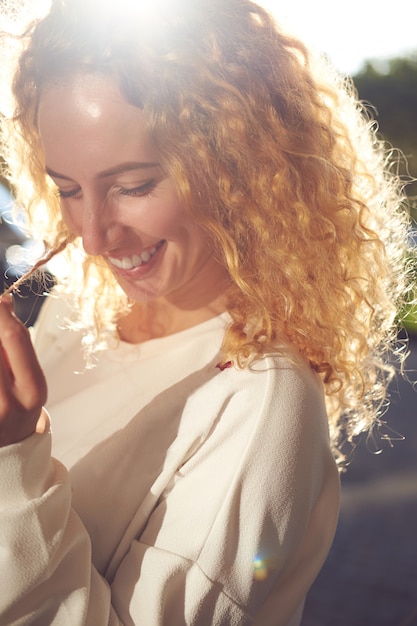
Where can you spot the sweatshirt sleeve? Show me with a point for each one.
(45, 554)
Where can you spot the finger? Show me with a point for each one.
(5, 369)
(6, 382)
(28, 379)
(6, 376)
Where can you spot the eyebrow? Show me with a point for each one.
(118, 169)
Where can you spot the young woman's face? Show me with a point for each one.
(116, 196)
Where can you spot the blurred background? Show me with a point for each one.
(370, 576)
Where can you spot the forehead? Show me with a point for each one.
(87, 97)
(87, 115)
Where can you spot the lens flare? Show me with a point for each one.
(260, 569)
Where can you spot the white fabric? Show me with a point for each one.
(194, 495)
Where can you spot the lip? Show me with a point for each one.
(117, 264)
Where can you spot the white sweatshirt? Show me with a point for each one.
(192, 495)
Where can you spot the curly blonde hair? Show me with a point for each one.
(270, 151)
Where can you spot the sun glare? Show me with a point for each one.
(16, 14)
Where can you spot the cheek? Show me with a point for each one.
(70, 217)
(188, 234)
(66, 213)
(163, 218)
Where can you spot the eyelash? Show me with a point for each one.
(142, 190)
(67, 194)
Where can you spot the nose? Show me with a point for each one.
(93, 234)
(96, 228)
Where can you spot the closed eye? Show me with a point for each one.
(142, 190)
(135, 192)
(71, 193)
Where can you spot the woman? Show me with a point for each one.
(235, 249)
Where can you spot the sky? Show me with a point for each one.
(353, 31)
(348, 32)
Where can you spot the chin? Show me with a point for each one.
(140, 294)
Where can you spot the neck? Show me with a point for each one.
(159, 318)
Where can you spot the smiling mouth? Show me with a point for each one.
(136, 260)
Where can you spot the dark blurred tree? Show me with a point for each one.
(390, 88)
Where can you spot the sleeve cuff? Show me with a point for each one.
(26, 468)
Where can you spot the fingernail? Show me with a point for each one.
(7, 299)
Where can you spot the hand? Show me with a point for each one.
(22, 383)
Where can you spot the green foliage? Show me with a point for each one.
(391, 90)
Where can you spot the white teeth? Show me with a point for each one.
(129, 262)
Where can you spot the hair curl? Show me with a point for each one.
(270, 151)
